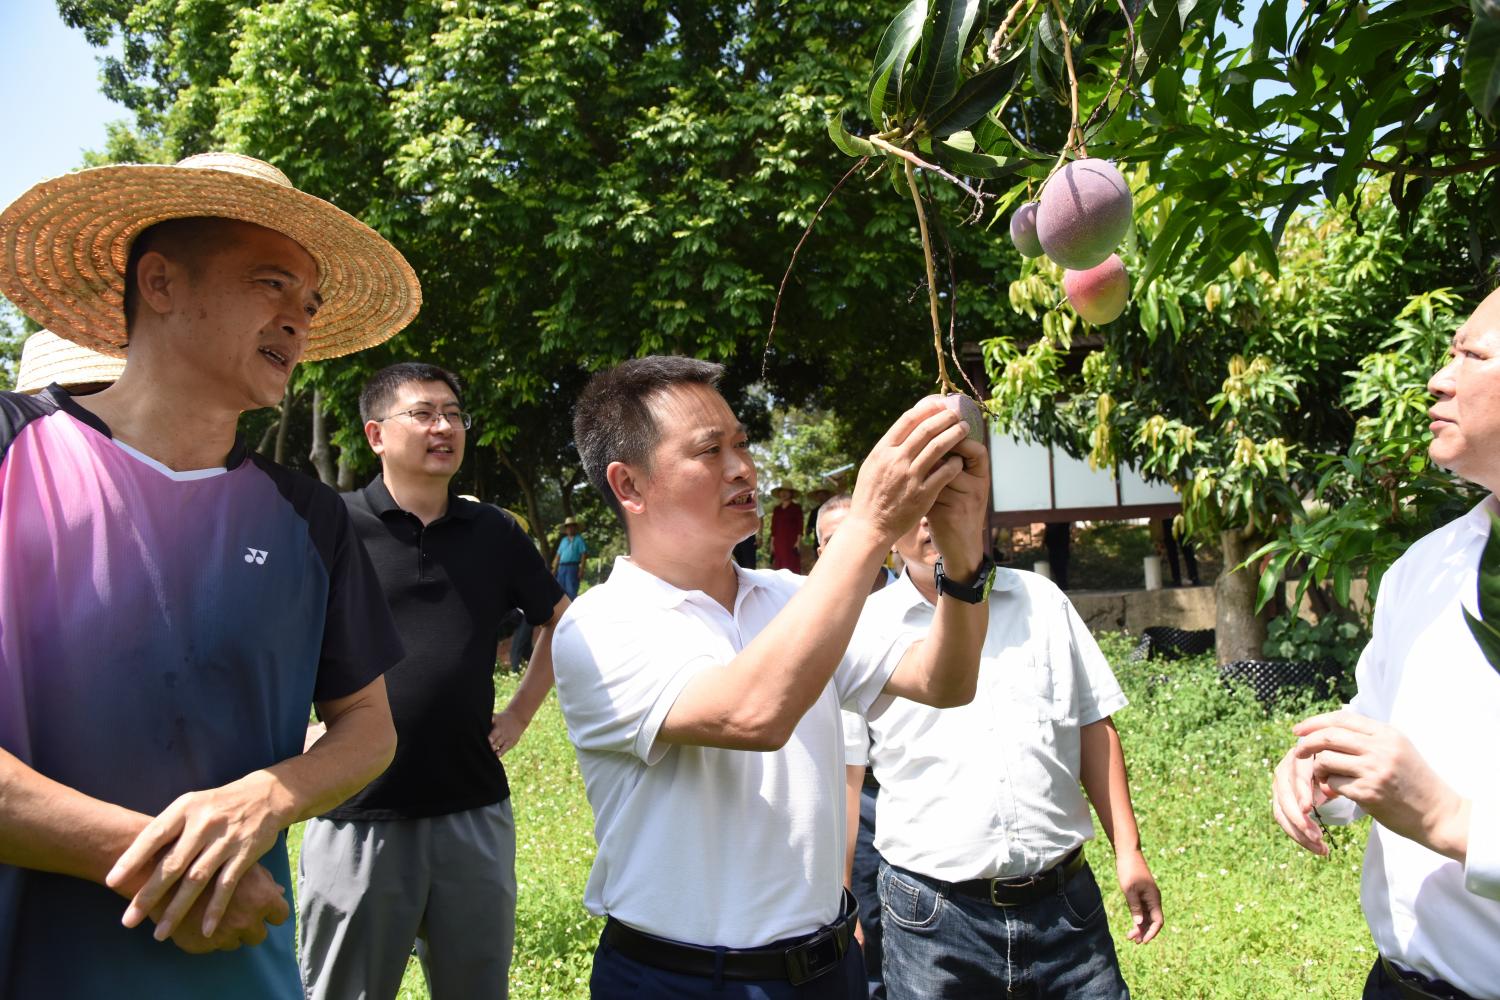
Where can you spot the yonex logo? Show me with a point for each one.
(257, 556)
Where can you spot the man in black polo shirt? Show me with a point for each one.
(426, 853)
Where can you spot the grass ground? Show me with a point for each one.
(1248, 914)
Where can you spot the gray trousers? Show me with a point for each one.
(368, 890)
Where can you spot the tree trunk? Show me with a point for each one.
(533, 513)
(283, 425)
(345, 475)
(321, 454)
(1239, 634)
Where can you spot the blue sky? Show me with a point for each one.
(50, 106)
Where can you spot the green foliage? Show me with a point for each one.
(1330, 640)
(801, 447)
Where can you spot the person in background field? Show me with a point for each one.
(981, 820)
(47, 359)
(786, 530)
(861, 863)
(1414, 750)
(171, 603)
(426, 853)
(572, 553)
(703, 699)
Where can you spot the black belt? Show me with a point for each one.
(574, 563)
(798, 962)
(1028, 889)
(1415, 986)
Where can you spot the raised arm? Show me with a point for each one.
(942, 669)
(755, 701)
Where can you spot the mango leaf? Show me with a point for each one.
(1486, 627)
(1300, 194)
(976, 97)
(972, 164)
(900, 37)
(940, 58)
(1481, 65)
(1356, 151)
(1164, 250)
(1157, 33)
(850, 144)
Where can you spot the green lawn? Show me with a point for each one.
(1248, 914)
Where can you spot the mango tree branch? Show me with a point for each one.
(914, 160)
(944, 384)
(1002, 34)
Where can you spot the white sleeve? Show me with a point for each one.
(874, 653)
(1099, 694)
(1482, 864)
(856, 739)
(618, 679)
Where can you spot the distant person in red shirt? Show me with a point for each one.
(786, 530)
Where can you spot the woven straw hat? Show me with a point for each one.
(64, 245)
(47, 358)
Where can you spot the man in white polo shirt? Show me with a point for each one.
(981, 820)
(1415, 749)
(704, 698)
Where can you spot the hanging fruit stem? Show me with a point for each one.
(944, 383)
(1076, 133)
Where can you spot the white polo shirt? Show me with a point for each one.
(1423, 673)
(991, 789)
(714, 847)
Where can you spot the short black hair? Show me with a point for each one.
(380, 392)
(612, 420)
(189, 241)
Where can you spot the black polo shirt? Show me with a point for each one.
(448, 585)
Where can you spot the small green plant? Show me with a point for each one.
(1327, 641)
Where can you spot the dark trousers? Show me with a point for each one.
(866, 887)
(942, 945)
(1380, 986)
(616, 977)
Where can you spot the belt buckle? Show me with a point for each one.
(809, 960)
(1015, 883)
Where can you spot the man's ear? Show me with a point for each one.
(626, 482)
(156, 280)
(374, 434)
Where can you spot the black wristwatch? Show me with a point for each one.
(976, 592)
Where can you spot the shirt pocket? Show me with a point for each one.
(1025, 690)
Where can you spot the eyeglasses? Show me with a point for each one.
(426, 418)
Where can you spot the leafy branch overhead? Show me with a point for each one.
(996, 98)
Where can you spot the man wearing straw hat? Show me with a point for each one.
(47, 359)
(572, 553)
(170, 603)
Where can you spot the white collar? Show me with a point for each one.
(659, 593)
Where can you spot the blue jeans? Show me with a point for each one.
(618, 977)
(567, 578)
(940, 944)
(866, 886)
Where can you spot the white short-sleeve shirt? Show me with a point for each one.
(991, 789)
(1424, 674)
(713, 847)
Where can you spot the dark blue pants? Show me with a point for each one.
(941, 945)
(567, 578)
(617, 977)
(866, 886)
